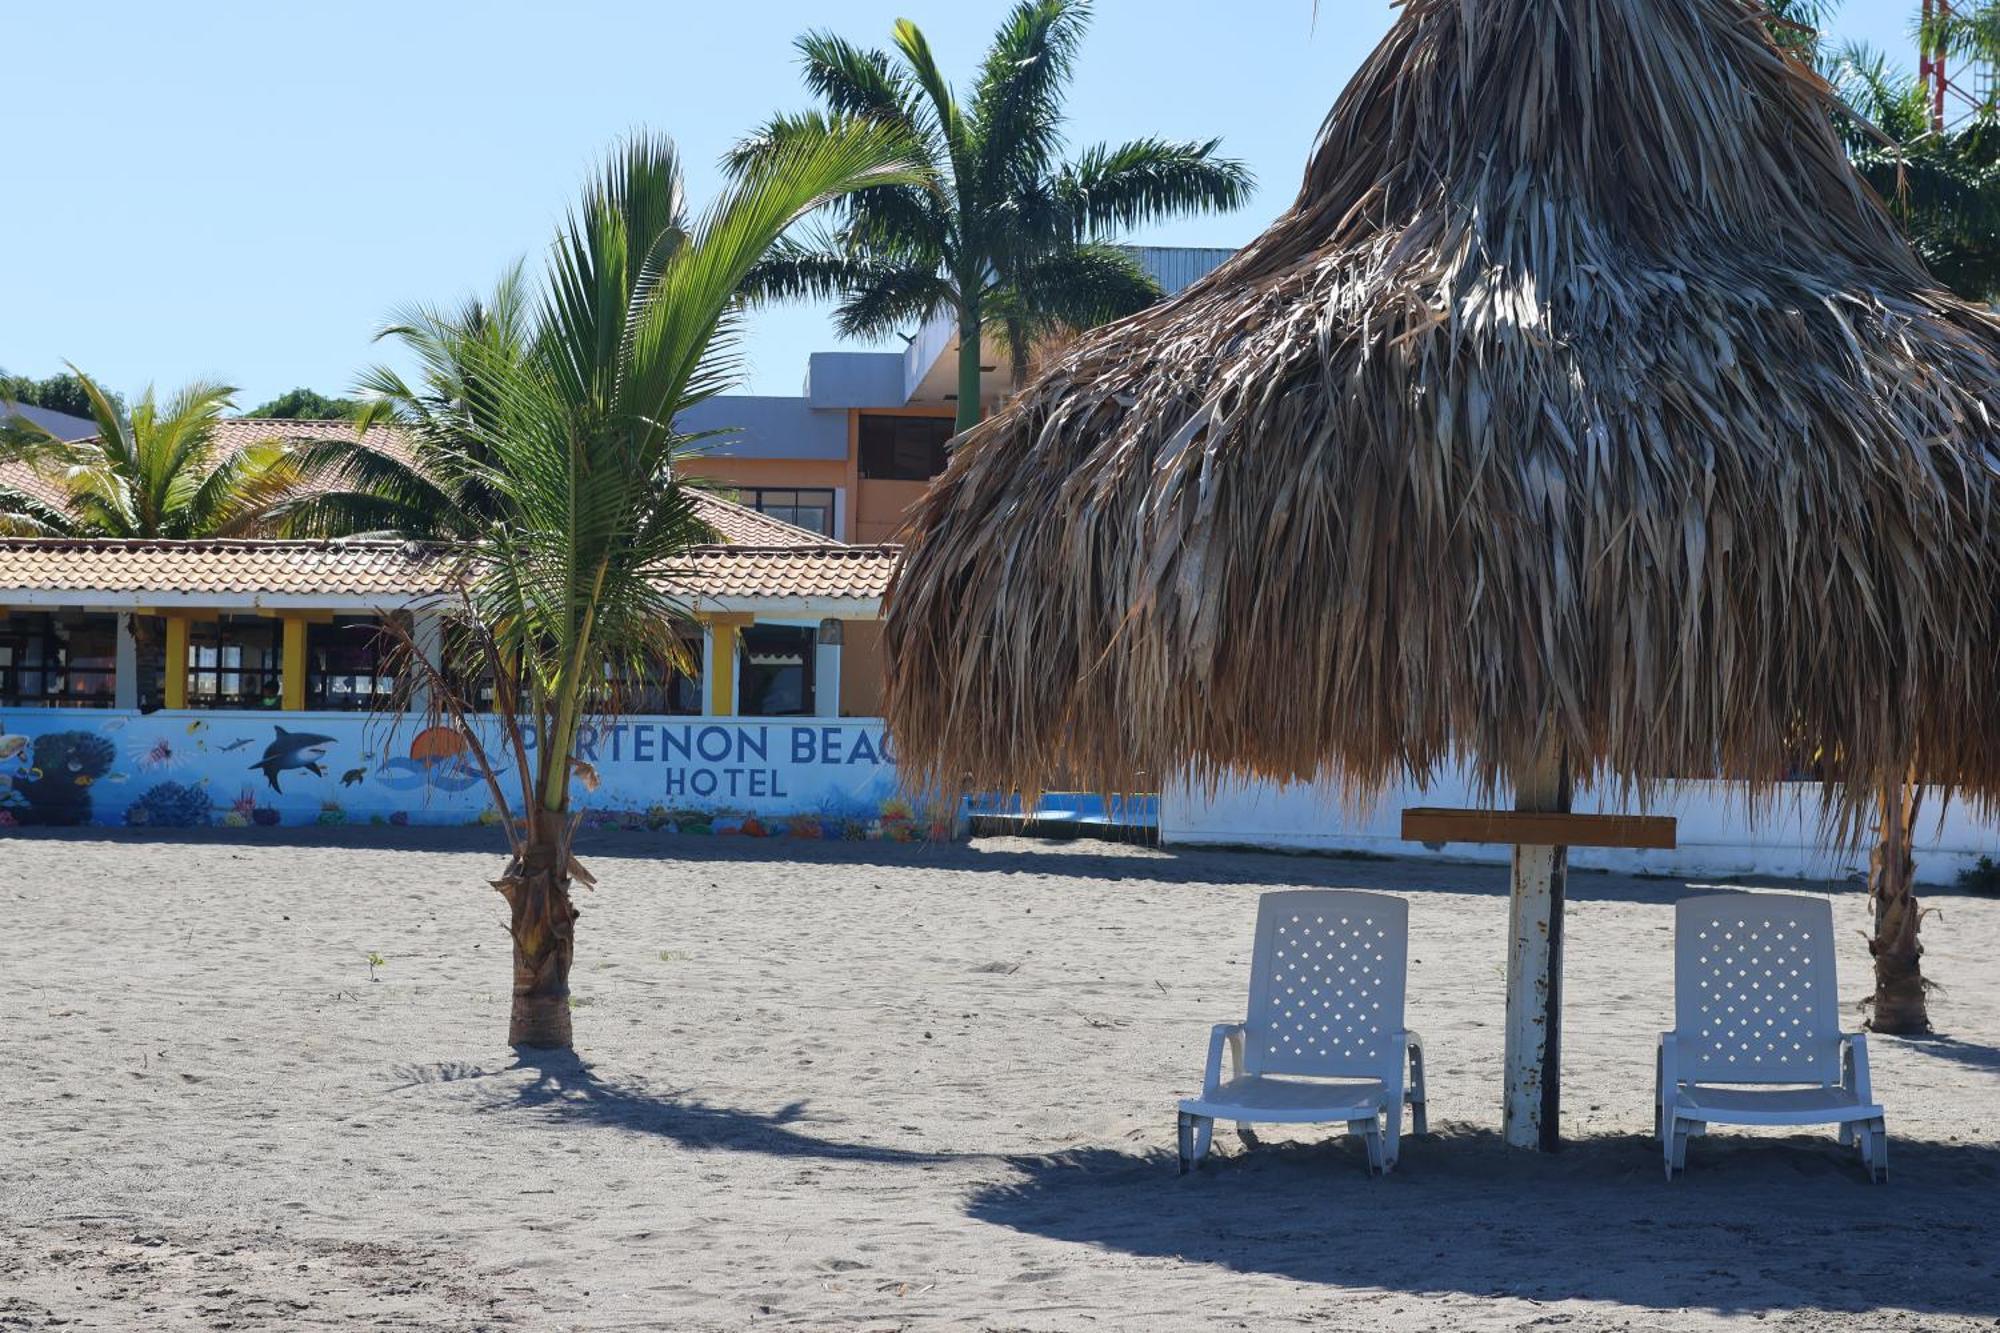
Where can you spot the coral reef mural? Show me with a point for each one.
(803, 779)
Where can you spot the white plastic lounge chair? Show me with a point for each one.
(1757, 1037)
(1325, 1040)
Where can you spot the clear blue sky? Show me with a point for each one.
(244, 190)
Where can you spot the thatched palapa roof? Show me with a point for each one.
(1583, 395)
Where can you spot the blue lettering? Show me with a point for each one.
(642, 745)
(719, 751)
(674, 740)
(702, 782)
(676, 782)
(829, 745)
(748, 741)
(802, 745)
(862, 752)
(888, 755)
(586, 743)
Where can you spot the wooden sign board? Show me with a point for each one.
(1524, 828)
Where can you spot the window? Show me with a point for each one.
(234, 663)
(903, 448)
(344, 665)
(660, 688)
(811, 509)
(776, 673)
(58, 661)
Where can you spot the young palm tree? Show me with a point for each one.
(567, 433)
(154, 473)
(431, 485)
(1003, 230)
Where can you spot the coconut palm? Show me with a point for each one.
(428, 479)
(566, 432)
(156, 472)
(1003, 231)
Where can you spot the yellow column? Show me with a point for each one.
(292, 677)
(176, 682)
(720, 684)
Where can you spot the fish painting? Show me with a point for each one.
(292, 750)
(159, 754)
(197, 725)
(236, 744)
(352, 776)
(11, 746)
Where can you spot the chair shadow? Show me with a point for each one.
(1755, 1225)
(563, 1087)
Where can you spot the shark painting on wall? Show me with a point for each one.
(288, 750)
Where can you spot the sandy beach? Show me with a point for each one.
(865, 1086)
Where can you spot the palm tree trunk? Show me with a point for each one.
(542, 921)
(1899, 1004)
(969, 339)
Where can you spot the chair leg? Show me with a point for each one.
(1371, 1140)
(1419, 1116)
(1248, 1135)
(1184, 1135)
(1677, 1143)
(1875, 1149)
(1204, 1135)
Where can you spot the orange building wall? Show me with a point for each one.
(861, 668)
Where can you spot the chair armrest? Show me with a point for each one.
(1232, 1034)
(1414, 1038)
(1854, 1066)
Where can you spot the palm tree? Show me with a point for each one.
(567, 432)
(1942, 186)
(154, 473)
(1002, 229)
(428, 480)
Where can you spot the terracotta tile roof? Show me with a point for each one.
(760, 556)
(739, 525)
(393, 570)
(794, 571)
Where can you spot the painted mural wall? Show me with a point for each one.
(700, 776)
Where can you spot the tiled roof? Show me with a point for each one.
(393, 571)
(342, 568)
(794, 571)
(733, 523)
(739, 525)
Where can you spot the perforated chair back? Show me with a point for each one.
(1754, 993)
(1326, 984)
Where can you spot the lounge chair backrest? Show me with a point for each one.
(1326, 984)
(1754, 993)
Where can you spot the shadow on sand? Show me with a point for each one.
(564, 1088)
(1756, 1225)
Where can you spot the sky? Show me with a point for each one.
(246, 191)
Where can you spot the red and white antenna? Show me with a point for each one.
(1956, 93)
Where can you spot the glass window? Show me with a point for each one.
(775, 677)
(344, 665)
(661, 689)
(895, 448)
(808, 508)
(235, 663)
(50, 660)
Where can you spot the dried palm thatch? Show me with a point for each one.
(1585, 397)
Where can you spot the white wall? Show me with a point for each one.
(1719, 836)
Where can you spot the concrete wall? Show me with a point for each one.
(1719, 836)
(768, 427)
